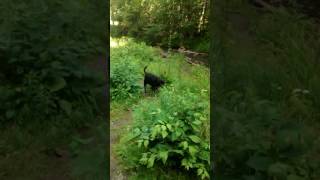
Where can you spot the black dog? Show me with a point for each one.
(154, 81)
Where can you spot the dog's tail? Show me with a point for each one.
(144, 70)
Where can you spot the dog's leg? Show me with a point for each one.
(144, 85)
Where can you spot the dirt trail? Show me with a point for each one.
(117, 126)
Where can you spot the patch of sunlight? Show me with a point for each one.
(116, 42)
(114, 23)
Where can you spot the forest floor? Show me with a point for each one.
(29, 157)
(43, 155)
(117, 125)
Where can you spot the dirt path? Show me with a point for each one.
(117, 126)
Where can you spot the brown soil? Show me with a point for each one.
(116, 127)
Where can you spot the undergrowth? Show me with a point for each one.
(170, 128)
(267, 116)
(47, 91)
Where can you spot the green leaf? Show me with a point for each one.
(66, 106)
(164, 156)
(163, 127)
(259, 162)
(193, 150)
(140, 143)
(177, 151)
(205, 174)
(151, 161)
(178, 132)
(82, 140)
(184, 145)
(155, 131)
(10, 114)
(137, 131)
(57, 84)
(197, 122)
(146, 143)
(204, 155)
(195, 139)
(164, 134)
(185, 163)
(294, 177)
(144, 159)
(161, 122)
(199, 171)
(278, 170)
(169, 126)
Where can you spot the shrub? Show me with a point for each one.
(267, 111)
(128, 48)
(170, 131)
(254, 140)
(42, 77)
(124, 80)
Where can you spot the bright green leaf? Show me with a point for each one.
(164, 134)
(151, 161)
(195, 139)
(146, 143)
(164, 156)
(192, 150)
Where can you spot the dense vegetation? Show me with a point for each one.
(266, 93)
(170, 129)
(41, 53)
(46, 88)
(170, 24)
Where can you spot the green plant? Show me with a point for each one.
(47, 89)
(124, 80)
(170, 132)
(42, 72)
(164, 23)
(90, 154)
(266, 114)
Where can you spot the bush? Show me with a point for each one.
(41, 45)
(267, 111)
(260, 141)
(170, 131)
(125, 48)
(124, 80)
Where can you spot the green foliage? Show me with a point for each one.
(169, 131)
(41, 48)
(267, 114)
(164, 23)
(90, 154)
(46, 89)
(124, 80)
(127, 63)
(186, 92)
(128, 58)
(128, 48)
